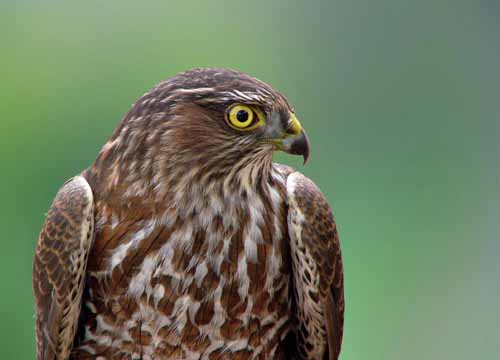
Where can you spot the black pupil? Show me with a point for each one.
(242, 115)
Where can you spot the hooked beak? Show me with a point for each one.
(295, 141)
(299, 146)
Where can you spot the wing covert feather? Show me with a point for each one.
(318, 271)
(59, 268)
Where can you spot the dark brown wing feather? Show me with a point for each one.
(59, 268)
(318, 271)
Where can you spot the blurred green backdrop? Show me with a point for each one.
(402, 103)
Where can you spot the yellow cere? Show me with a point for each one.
(295, 124)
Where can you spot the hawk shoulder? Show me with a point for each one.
(59, 268)
(317, 270)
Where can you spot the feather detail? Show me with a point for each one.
(59, 268)
(317, 271)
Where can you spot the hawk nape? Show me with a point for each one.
(183, 240)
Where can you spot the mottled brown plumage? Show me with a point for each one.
(59, 268)
(203, 248)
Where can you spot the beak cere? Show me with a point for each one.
(300, 146)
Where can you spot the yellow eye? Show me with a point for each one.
(242, 117)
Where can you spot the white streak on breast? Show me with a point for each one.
(201, 271)
(158, 293)
(114, 220)
(141, 280)
(242, 275)
(121, 251)
(102, 325)
(253, 233)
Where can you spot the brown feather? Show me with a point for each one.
(318, 270)
(59, 269)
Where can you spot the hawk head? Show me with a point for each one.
(221, 108)
(201, 124)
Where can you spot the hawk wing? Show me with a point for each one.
(59, 268)
(317, 271)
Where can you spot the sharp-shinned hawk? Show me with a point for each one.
(183, 240)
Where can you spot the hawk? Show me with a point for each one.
(183, 240)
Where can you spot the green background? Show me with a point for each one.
(402, 103)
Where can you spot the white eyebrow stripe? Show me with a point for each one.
(179, 92)
(194, 91)
(244, 95)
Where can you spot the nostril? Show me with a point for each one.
(290, 129)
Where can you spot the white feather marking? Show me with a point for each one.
(102, 325)
(158, 293)
(200, 273)
(196, 90)
(121, 251)
(114, 220)
(242, 275)
(253, 234)
(139, 282)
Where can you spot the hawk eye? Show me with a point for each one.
(243, 117)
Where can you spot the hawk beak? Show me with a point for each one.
(296, 141)
(300, 146)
